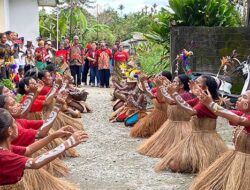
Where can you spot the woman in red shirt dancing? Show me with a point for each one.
(232, 170)
(204, 145)
(14, 159)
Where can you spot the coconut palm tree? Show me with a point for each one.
(121, 7)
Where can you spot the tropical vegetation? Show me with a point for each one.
(113, 25)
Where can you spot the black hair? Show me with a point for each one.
(32, 73)
(167, 74)
(20, 70)
(184, 79)
(41, 74)
(1, 35)
(212, 86)
(2, 101)
(51, 68)
(1, 89)
(6, 121)
(8, 32)
(21, 87)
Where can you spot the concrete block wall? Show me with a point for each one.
(209, 44)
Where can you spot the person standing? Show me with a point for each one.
(51, 51)
(40, 55)
(75, 60)
(86, 65)
(103, 56)
(120, 57)
(5, 56)
(91, 56)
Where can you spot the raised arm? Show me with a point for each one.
(218, 110)
(40, 161)
(43, 131)
(63, 132)
(179, 100)
(25, 108)
(162, 92)
(145, 87)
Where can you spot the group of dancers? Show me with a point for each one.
(180, 129)
(40, 131)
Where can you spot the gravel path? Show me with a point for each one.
(109, 160)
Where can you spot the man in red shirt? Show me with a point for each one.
(76, 60)
(103, 57)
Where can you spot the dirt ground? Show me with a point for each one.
(109, 160)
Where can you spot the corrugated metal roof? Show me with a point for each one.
(48, 3)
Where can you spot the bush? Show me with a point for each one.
(204, 13)
(152, 59)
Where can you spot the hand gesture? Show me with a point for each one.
(65, 131)
(158, 82)
(60, 100)
(194, 87)
(172, 88)
(205, 97)
(75, 139)
(32, 88)
(58, 80)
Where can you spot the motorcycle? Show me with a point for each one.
(225, 81)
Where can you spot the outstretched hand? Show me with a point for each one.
(172, 88)
(76, 138)
(65, 131)
(205, 97)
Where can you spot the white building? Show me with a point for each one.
(22, 16)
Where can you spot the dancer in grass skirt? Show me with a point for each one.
(204, 145)
(148, 125)
(231, 171)
(177, 126)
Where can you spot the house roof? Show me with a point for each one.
(48, 3)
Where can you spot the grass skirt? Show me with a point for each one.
(231, 171)
(148, 125)
(63, 120)
(197, 151)
(176, 128)
(42, 180)
(20, 185)
(34, 116)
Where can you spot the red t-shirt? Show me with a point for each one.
(45, 91)
(62, 53)
(239, 113)
(121, 57)
(26, 136)
(16, 78)
(92, 54)
(12, 165)
(30, 124)
(37, 105)
(202, 110)
(42, 54)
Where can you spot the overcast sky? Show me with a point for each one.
(130, 5)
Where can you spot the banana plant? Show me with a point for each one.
(204, 13)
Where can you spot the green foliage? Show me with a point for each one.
(48, 23)
(204, 13)
(7, 83)
(151, 58)
(18, 98)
